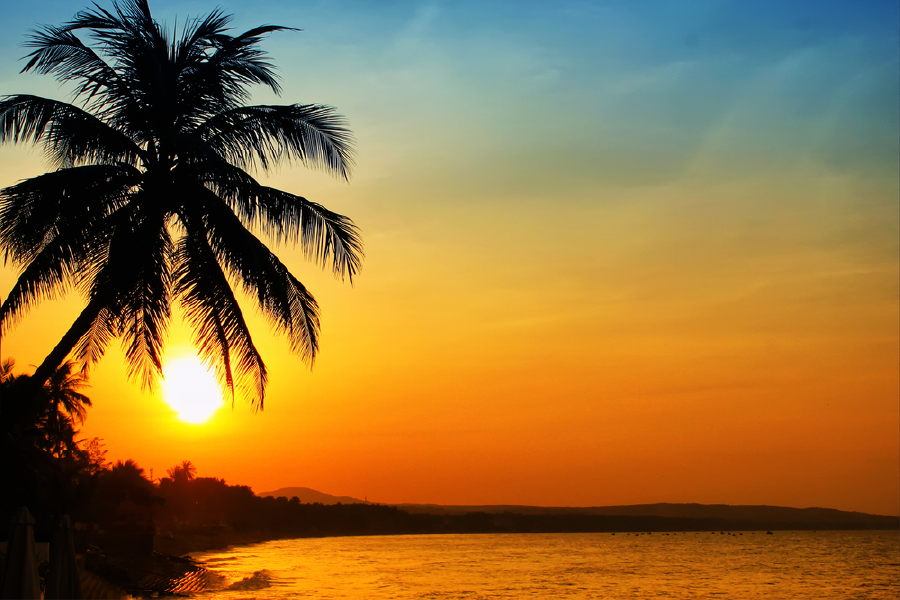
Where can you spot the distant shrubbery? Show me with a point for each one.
(207, 505)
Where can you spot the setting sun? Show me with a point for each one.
(190, 389)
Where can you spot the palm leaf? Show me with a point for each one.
(92, 345)
(68, 134)
(73, 200)
(59, 52)
(49, 224)
(264, 135)
(220, 332)
(143, 302)
(134, 287)
(213, 77)
(325, 237)
(289, 307)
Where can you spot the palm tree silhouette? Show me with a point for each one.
(151, 199)
(6, 370)
(127, 469)
(66, 405)
(127, 479)
(186, 471)
(63, 391)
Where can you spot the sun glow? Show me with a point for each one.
(190, 389)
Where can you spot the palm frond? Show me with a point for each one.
(92, 345)
(51, 225)
(263, 135)
(139, 50)
(214, 77)
(137, 278)
(74, 200)
(325, 237)
(48, 276)
(60, 53)
(287, 304)
(243, 62)
(200, 35)
(214, 71)
(132, 18)
(220, 331)
(68, 134)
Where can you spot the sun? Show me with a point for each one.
(190, 389)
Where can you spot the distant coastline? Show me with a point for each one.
(330, 516)
(842, 519)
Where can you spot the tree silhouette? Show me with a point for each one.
(96, 455)
(42, 465)
(63, 391)
(151, 200)
(66, 405)
(122, 480)
(184, 472)
(127, 470)
(6, 370)
(50, 416)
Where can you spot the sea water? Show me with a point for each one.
(743, 565)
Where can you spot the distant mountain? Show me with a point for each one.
(311, 496)
(662, 516)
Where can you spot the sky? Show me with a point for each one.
(616, 253)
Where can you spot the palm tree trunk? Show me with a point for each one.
(58, 355)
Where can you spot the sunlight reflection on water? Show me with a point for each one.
(795, 565)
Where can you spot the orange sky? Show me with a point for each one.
(668, 298)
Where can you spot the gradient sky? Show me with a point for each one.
(616, 252)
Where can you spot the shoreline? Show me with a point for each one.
(185, 545)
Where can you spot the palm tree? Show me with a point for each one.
(63, 391)
(66, 405)
(127, 469)
(126, 479)
(6, 370)
(151, 199)
(186, 471)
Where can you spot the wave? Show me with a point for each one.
(258, 581)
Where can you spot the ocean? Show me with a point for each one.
(745, 565)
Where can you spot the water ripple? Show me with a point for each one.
(789, 565)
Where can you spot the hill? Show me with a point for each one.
(637, 516)
(311, 496)
(782, 517)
